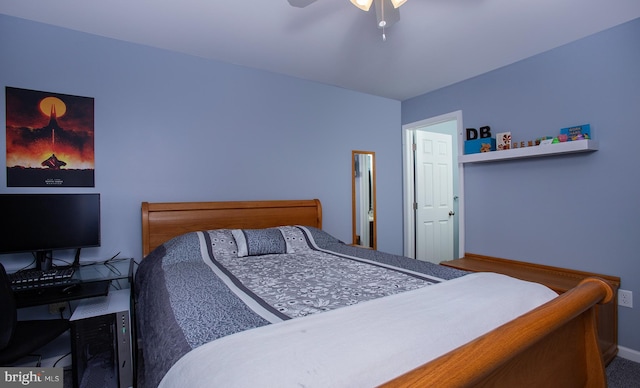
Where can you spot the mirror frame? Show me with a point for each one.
(374, 222)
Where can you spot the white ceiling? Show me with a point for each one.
(436, 42)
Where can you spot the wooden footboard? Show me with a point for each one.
(554, 345)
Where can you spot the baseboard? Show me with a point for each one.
(629, 354)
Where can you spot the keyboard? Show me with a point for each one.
(35, 278)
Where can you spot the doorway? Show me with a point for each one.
(433, 188)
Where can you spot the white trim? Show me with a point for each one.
(461, 208)
(629, 354)
(408, 180)
(407, 184)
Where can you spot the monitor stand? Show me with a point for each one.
(76, 259)
(43, 260)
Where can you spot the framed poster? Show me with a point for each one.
(50, 139)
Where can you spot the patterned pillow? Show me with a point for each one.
(254, 242)
(295, 239)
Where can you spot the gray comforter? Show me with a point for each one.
(202, 286)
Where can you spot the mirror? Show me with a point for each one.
(363, 198)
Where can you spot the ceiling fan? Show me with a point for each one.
(387, 12)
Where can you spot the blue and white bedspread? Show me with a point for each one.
(364, 345)
(206, 285)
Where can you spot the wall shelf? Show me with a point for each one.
(569, 147)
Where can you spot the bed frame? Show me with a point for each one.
(554, 345)
(163, 221)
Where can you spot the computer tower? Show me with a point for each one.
(101, 343)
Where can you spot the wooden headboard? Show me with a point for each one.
(163, 221)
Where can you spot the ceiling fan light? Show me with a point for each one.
(397, 3)
(363, 4)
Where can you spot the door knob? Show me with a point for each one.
(452, 213)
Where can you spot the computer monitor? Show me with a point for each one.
(42, 223)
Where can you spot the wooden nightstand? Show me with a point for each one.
(558, 279)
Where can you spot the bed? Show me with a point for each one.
(255, 293)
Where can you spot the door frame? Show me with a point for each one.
(408, 175)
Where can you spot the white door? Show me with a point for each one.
(434, 196)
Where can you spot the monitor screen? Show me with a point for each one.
(46, 222)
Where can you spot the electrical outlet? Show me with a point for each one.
(625, 298)
(55, 308)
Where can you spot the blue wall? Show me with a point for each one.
(171, 127)
(579, 211)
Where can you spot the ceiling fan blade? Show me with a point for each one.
(300, 3)
(385, 11)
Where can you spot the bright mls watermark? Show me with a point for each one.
(31, 377)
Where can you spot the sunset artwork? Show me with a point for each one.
(50, 139)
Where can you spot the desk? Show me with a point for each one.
(90, 280)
